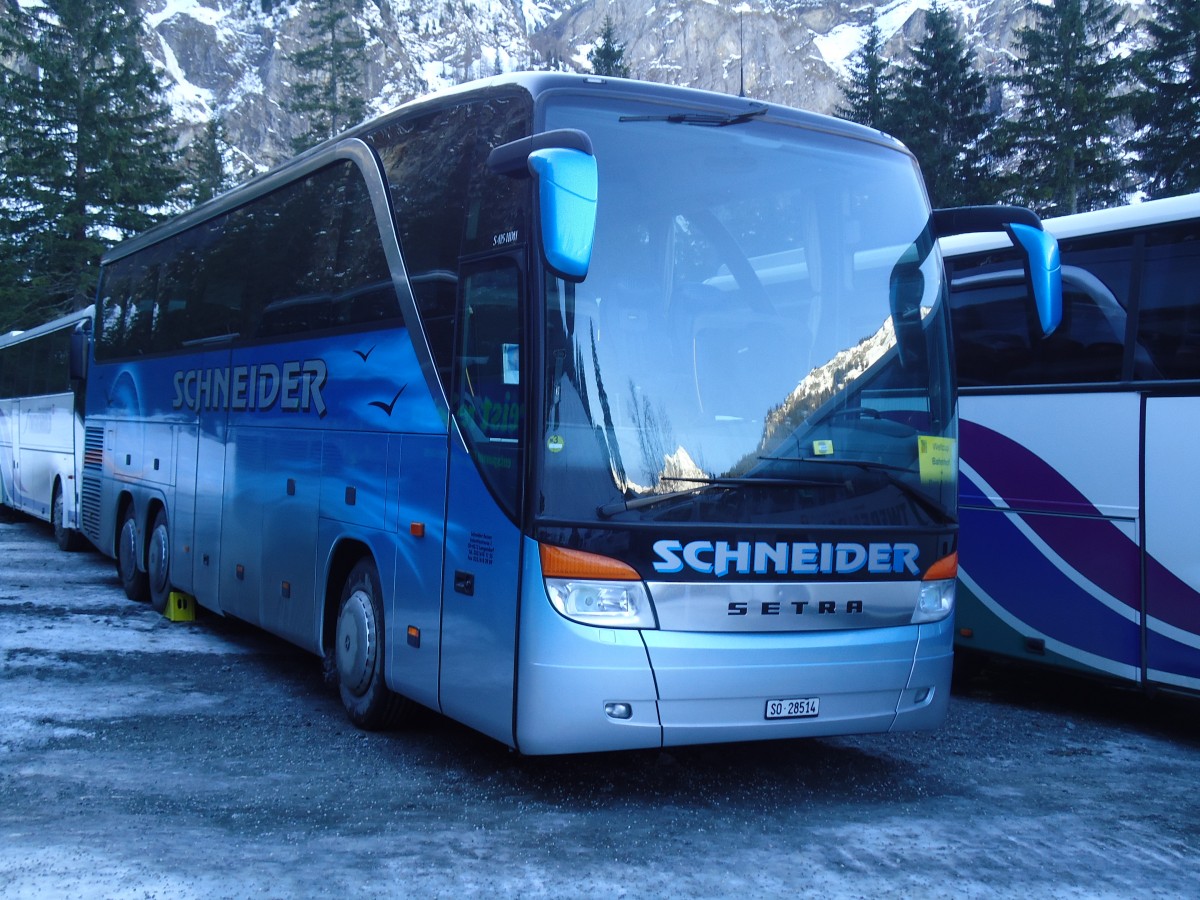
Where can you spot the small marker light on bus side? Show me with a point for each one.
(417, 529)
(618, 710)
(414, 636)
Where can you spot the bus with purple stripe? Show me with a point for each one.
(1078, 477)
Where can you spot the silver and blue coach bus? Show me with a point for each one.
(590, 413)
(41, 425)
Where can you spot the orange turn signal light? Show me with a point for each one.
(946, 567)
(559, 562)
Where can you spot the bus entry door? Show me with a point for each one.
(483, 545)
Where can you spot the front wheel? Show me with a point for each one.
(158, 562)
(133, 580)
(358, 651)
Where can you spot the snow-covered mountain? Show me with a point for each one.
(230, 58)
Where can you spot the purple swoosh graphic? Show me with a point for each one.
(1091, 545)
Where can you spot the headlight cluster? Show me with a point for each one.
(607, 604)
(936, 601)
(596, 590)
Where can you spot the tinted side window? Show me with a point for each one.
(995, 333)
(36, 366)
(487, 399)
(448, 204)
(302, 259)
(1169, 317)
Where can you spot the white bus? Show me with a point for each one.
(1079, 473)
(41, 426)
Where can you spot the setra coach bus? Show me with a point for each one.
(1078, 477)
(41, 425)
(590, 413)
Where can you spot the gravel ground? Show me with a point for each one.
(141, 758)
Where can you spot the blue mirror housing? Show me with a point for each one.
(1024, 229)
(1043, 268)
(568, 188)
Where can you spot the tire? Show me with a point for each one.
(158, 562)
(69, 540)
(358, 652)
(133, 580)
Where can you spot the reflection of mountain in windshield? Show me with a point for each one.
(832, 378)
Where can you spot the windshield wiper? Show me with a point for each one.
(922, 499)
(608, 510)
(711, 120)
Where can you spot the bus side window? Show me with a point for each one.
(996, 340)
(488, 400)
(1169, 319)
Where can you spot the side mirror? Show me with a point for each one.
(567, 192)
(1038, 249)
(1043, 270)
(78, 362)
(567, 184)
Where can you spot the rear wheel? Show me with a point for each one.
(158, 562)
(358, 651)
(68, 538)
(133, 580)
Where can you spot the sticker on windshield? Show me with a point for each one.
(938, 457)
(822, 448)
(555, 443)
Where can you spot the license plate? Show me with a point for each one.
(794, 708)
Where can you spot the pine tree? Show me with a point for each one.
(1167, 105)
(205, 166)
(608, 56)
(87, 156)
(1064, 137)
(330, 98)
(868, 94)
(940, 112)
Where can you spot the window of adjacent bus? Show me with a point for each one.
(996, 337)
(35, 366)
(1169, 320)
(732, 353)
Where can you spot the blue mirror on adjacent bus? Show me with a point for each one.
(1045, 274)
(567, 187)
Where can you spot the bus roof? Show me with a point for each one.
(1101, 221)
(67, 321)
(535, 84)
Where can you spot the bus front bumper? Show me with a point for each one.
(583, 689)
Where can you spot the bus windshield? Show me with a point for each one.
(761, 335)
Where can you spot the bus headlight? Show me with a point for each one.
(606, 604)
(935, 602)
(596, 590)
